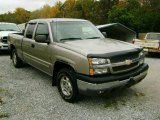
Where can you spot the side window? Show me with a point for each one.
(30, 30)
(42, 29)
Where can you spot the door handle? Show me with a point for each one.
(32, 45)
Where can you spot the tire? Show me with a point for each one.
(17, 62)
(67, 85)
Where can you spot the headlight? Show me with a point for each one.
(97, 61)
(141, 54)
(94, 66)
(98, 71)
(101, 71)
(141, 61)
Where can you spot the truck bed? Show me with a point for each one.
(15, 37)
(16, 40)
(147, 43)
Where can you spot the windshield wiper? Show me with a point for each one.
(65, 39)
(93, 38)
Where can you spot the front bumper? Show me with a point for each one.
(152, 50)
(128, 79)
(3, 46)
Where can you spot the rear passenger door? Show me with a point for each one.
(28, 43)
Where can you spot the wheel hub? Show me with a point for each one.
(14, 58)
(66, 86)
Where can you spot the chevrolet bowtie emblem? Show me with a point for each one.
(128, 62)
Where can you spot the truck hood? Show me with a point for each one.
(98, 46)
(5, 33)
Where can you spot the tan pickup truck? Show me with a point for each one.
(78, 57)
(151, 42)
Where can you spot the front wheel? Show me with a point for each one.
(17, 62)
(67, 85)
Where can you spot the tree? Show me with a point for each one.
(35, 14)
(8, 17)
(139, 15)
(60, 9)
(120, 15)
(21, 15)
(48, 11)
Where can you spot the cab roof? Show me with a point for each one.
(55, 19)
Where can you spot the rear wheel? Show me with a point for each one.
(17, 62)
(67, 85)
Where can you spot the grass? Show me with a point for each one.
(6, 92)
(4, 115)
(1, 101)
(112, 103)
(139, 94)
(113, 100)
(2, 90)
(0, 80)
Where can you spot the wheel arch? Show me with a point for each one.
(57, 67)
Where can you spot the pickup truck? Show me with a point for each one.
(5, 29)
(78, 57)
(151, 42)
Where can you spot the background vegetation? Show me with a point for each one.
(139, 15)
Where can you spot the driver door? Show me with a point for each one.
(42, 51)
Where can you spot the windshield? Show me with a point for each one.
(9, 27)
(75, 30)
(153, 36)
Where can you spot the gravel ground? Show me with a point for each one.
(27, 94)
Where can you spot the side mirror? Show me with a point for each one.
(41, 39)
(23, 31)
(105, 34)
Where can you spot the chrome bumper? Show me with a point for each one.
(85, 87)
(3, 46)
(154, 50)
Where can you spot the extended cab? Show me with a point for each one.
(77, 56)
(151, 42)
(5, 29)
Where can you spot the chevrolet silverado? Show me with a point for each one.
(5, 29)
(78, 57)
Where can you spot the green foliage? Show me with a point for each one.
(8, 17)
(4, 115)
(139, 15)
(21, 15)
(121, 15)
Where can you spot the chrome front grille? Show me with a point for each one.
(124, 68)
(121, 58)
(119, 62)
(4, 39)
